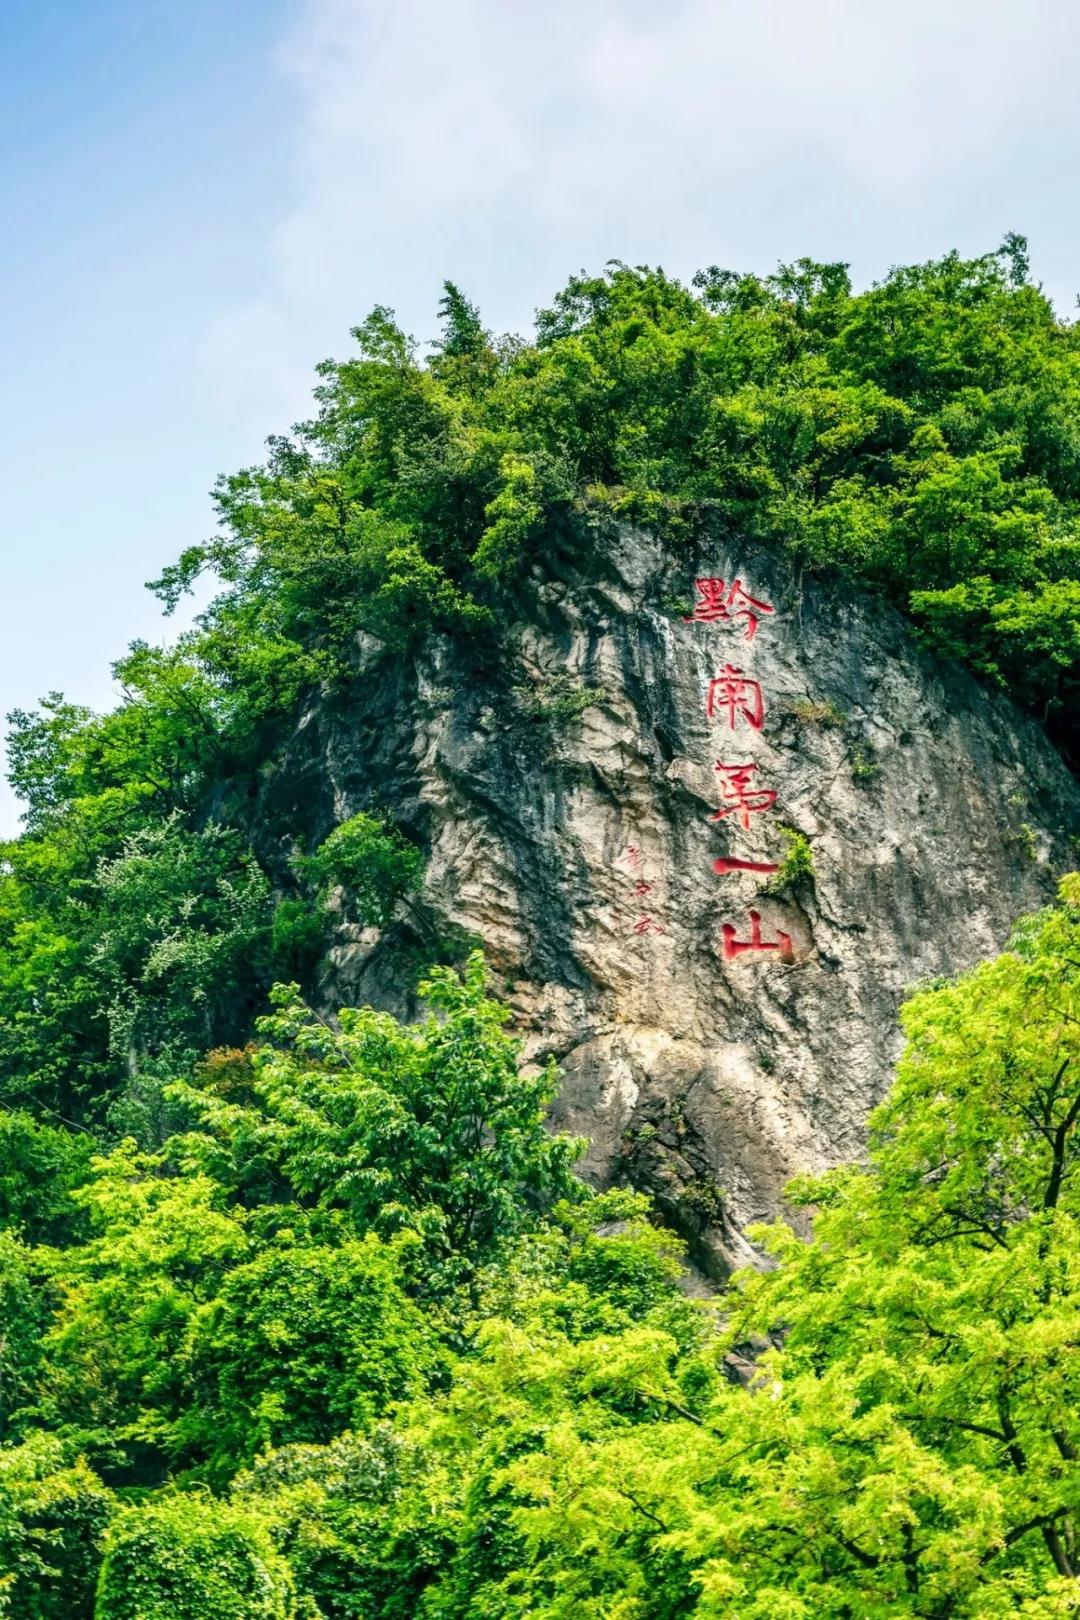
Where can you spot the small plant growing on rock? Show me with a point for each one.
(797, 865)
(557, 701)
(705, 1199)
(816, 712)
(864, 767)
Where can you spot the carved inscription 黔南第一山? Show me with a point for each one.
(734, 699)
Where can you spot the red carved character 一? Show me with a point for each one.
(724, 864)
(744, 799)
(732, 695)
(734, 946)
(714, 604)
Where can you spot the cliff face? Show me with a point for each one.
(575, 808)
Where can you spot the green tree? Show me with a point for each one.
(54, 1512)
(372, 863)
(905, 1440)
(183, 918)
(430, 1128)
(302, 1342)
(187, 1557)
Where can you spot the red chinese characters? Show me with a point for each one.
(744, 799)
(734, 946)
(734, 699)
(732, 695)
(629, 862)
(728, 863)
(713, 604)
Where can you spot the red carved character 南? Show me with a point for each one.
(743, 798)
(735, 694)
(642, 887)
(713, 604)
(735, 947)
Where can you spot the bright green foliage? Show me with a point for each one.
(351, 1300)
(190, 1332)
(24, 1312)
(130, 1300)
(303, 1341)
(419, 1518)
(188, 1557)
(430, 1128)
(797, 865)
(372, 863)
(53, 1515)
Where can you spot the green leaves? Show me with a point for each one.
(430, 1128)
(188, 1557)
(180, 916)
(361, 1294)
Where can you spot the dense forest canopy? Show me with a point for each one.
(312, 1319)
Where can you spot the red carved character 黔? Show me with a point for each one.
(733, 693)
(713, 604)
(743, 798)
(735, 947)
(630, 858)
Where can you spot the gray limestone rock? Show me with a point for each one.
(553, 786)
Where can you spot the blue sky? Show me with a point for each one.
(201, 198)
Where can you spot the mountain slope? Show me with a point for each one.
(567, 795)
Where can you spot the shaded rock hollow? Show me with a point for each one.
(551, 787)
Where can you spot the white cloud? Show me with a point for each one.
(505, 144)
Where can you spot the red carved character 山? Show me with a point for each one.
(738, 603)
(734, 694)
(735, 947)
(742, 798)
(649, 925)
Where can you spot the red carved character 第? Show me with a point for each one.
(743, 798)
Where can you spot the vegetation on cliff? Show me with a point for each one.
(303, 1320)
(922, 435)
